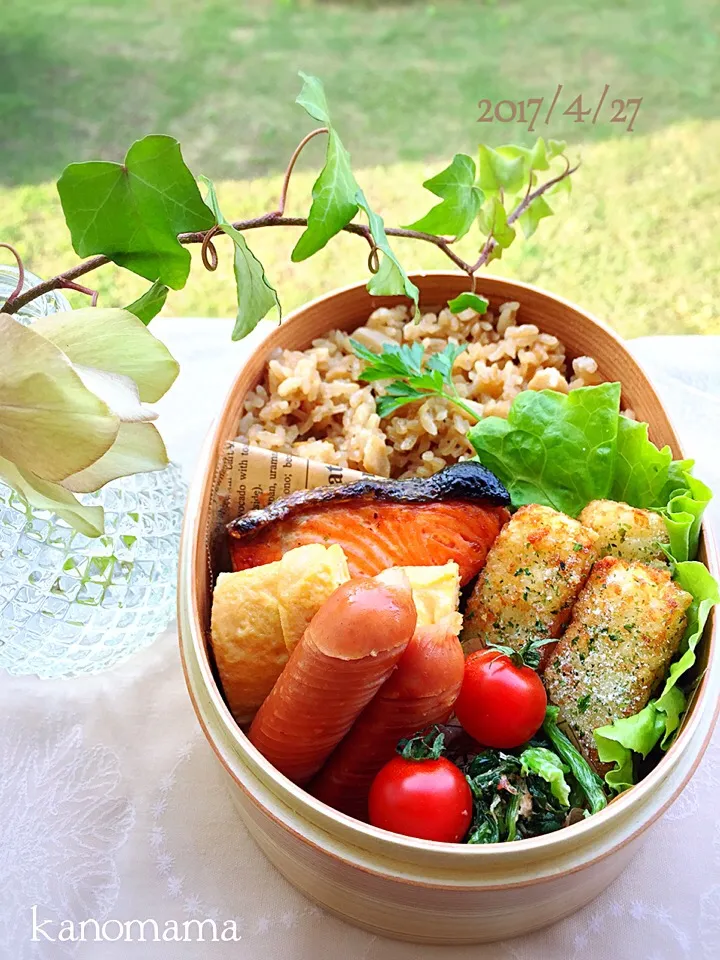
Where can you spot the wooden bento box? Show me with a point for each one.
(398, 886)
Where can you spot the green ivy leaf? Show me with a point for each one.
(334, 204)
(534, 158)
(312, 98)
(538, 209)
(133, 212)
(391, 279)
(556, 148)
(461, 200)
(468, 301)
(493, 221)
(255, 296)
(50, 423)
(501, 169)
(539, 159)
(44, 495)
(150, 303)
(115, 341)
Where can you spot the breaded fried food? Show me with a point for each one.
(534, 572)
(625, 629)
(627, 532)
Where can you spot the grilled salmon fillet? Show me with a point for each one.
(534, 572)
(625, 629)
(627, 532)
(454, 515)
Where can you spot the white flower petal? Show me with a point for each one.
(119, 392)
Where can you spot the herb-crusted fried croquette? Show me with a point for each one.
(533, 573)
(626, 627)
(627, 532)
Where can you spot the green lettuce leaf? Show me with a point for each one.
(641, 470)
(555, 449)
(659, 720)
(566, 450)
(617, 742)
(650, 478)
(683, 517)
(698, 581)
(544, 763)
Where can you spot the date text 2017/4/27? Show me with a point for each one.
(532, 110)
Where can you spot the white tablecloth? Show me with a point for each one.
(112, 806)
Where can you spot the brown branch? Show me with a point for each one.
(519, 210)
(21, 271)
(57, 283)
(93, 294)
(276, 219)
(288, 172)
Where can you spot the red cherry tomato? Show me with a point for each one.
(429, 799)
(500, 704)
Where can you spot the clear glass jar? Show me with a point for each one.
(71, 604)
(53, 302)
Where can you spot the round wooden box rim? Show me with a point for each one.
(284, 788)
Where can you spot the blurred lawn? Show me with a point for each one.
(638, 244)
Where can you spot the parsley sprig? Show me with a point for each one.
(412, 375)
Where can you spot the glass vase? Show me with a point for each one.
(71, 604)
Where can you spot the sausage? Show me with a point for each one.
(420, 693)
(345, 655)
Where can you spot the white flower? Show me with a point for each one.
(164, 863)
(175, 885)
(61, 827)
(193, 906)
(157, 837)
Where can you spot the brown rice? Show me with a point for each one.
(312, 403)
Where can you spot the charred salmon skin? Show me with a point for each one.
(454, 515)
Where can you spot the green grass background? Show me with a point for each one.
(638, 243)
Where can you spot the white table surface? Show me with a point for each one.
(112, 805)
